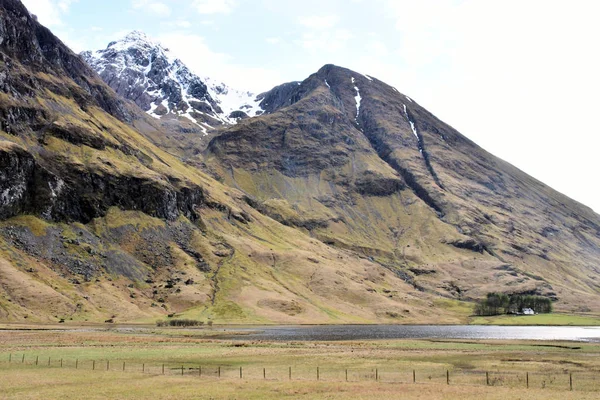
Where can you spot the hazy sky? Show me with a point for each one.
(521, 78)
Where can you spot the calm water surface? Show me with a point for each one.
(362, 332)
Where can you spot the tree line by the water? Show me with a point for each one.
(501, 303)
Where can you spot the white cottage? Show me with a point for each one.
(528, 311)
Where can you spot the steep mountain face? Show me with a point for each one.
(52, 99)
(97, 222)
(363, 167)
(45, 55)
(141, 70)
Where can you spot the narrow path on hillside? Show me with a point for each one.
(215, 277)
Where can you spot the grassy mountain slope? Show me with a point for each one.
(360, 166)
(98, 222)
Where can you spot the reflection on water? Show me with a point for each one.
(361, 332)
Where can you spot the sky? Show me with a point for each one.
(521, 78)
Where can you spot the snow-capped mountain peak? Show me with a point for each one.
(142, 70)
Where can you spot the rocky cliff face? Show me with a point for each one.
(140, 69)
(26, 187)
(35, 46)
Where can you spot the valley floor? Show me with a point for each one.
(553, 319)
(112, 385)
(72, 363)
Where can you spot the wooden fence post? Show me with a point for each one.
(143, 367)
(76, 363)
(240, 372)
(199, 370)
(414, 376)
(93, 365)
(264, 373)
(37, 359)
(107, 365)
(23, 359)
(163, 369)
(123, 366)
(527, 379)
(317, 373)
(346, 374)
(61, 362)
(487, 378)
(376, 374)
(48, 361)
(219, 371)
(290, 374)
(182, 370)
(10, 358)
(570, 381)
(447, 377)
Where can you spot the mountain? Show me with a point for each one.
(344, 201)
(360, 166)
(141, 70)
(99, 223)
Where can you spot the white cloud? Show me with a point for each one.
(65, 4)
(325, 41)
(378, 48)
(180, 23)
(153, 7)
(49, 12)
(214, 6)
(183, 24)
(71, 39)
(516, 77)
(200, 58)
(322, 35)
(274, 40)
(319, 22)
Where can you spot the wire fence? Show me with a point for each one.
(580, 380)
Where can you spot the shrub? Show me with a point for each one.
(180, 322)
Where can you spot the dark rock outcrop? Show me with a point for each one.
(25, 187)
(278, 97)
(24, 39)
(468, 244)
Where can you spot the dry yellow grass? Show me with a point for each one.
(63, 384)
(393, 361)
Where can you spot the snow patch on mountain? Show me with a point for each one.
(357, 98)
(414, 130)
(231, 100)
(140, 69)
(412, 124)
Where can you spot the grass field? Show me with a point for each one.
(127, 364)
(112, 385)
(539, 319)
